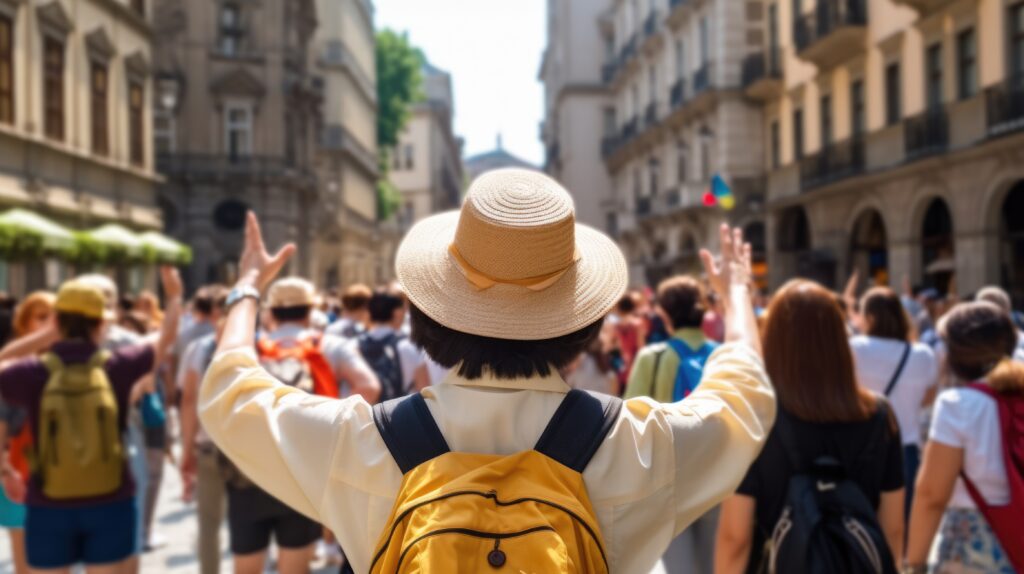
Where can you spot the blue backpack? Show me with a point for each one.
(691, 366)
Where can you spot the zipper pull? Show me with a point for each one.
(496, 558)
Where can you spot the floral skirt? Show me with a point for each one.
(967, 545)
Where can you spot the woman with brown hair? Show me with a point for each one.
(822, 412)
(966, 441)
(890, 363)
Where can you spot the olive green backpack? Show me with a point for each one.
(78, 444)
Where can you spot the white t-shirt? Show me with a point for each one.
(969, 419)
(877, 359)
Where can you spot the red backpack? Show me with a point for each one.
(1006, 521)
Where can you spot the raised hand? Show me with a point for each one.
(170, 279)
(257, 267)
(733, 267)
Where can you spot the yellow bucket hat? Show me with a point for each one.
(81, 298)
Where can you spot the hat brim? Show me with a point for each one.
(434, 282)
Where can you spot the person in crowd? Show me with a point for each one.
(933, 306)
(630, 330)
(890, 363)
(204, 313)
(1000, 298)
(822, 411)
(714, 323)
(392, 356)
(669, 372)
(81, 509)
(966, 441)
(201, 476)
(481, 305)
(355, 312)
(7, 305)
(32, 315)
(312, 363)
(148, 304)
(592, 371)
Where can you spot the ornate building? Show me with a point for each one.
(237, 117)
(75, 110)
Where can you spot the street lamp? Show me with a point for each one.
(169, 91)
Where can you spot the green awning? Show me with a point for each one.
(165, 249)
(120, 240)
(52, 236)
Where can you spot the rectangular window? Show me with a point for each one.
(99, 106)
(163, 132)
(704, 40)
(609, 121)
(858, 116)
(1017, 44)
(653, 167)
(826, 120)
(680, 59)
(410, 157)
(933, 85)
(53, 88)
(967, 66)
(396, 159)
(231, 30)
(773, 34)
(136, 123)
(652, 85)
(798, 134)
(705, 160)
(776, 150)
(681, 159)
(6, 70)
(238, 129)
(893, 97)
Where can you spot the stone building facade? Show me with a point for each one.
(75, 112)
(426, 166)
(894, 142)
(679, 117)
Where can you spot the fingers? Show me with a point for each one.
(725, 237)
(253, 234)
(710, 267)
(737, 243)
(279, 259)
(748, 256)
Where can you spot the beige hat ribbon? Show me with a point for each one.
(483, 281)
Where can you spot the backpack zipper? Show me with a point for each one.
(493, 495)
(496, 536)
(856, 529)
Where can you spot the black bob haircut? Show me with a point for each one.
(73, 326)
(502, 358)
(291, 314)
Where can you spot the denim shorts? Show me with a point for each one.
(61, 537)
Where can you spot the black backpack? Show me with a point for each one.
(828, 525)
(383, 357)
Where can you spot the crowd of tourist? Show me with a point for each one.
(798, 431)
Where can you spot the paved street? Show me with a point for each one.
(176, 521)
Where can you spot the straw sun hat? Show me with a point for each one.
(513, 263)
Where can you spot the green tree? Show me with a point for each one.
(399, 86)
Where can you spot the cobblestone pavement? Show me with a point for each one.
(177, 523)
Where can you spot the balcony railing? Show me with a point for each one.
(675, 4)
(629, 130)
(833, 163)
(702, 79)
(206, 166)
(651, 114)
(829, 18)
(926, 134)
(610, 144)
(651, 24)
(1005, 104)
(678, 93)
(628, 51)
(760, 66)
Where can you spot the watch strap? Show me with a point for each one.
(241, 293)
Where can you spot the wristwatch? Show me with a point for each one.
(242, 292)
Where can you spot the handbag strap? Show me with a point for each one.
(899, 370)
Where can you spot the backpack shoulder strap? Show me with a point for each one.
(578, 428)
(52, 363)
(899, 370)
(99, 359)
(409, 431)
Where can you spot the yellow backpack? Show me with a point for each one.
(78, 445)
(524, 513)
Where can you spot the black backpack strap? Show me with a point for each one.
(899, 370)
(578, 428)
(409, 431)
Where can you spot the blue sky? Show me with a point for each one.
(492, 49)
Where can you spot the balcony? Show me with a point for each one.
(762, 75)
(651, 24)
(643, 206)
(677, 10)
(610, 144)
(835, 31)
(1005, 104)
(627, 52)
(677, 95)
(651, 115)
(925, 8)
(608, 71)
(926, 134)
(834, 163)
(205, 167)
(629, 130)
